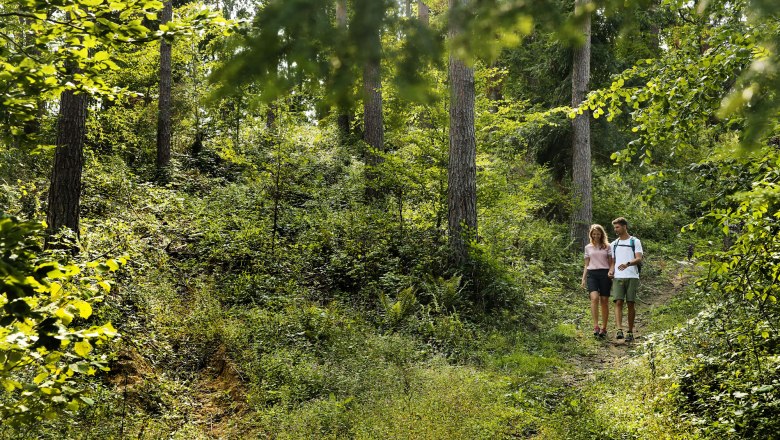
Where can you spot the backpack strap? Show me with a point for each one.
(633, 249)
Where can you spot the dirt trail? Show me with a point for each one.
(654, 292)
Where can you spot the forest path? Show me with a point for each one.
(655, 291)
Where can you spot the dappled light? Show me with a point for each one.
(386, 219)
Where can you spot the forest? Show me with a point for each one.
(365, 219)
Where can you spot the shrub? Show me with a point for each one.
(47, 342)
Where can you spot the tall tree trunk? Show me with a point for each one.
(408, 8)
(374, 134)
(343, 119)
(65, 188)
(462, 168)
(164, 103)
(423, 13)
(582, 215)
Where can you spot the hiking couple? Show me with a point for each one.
(612, 269)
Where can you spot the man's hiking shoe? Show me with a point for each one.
(596, 331)
(629, 337)
(603, 334)
(619, 334)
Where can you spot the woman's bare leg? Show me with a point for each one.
(604, 312)
(594, 308)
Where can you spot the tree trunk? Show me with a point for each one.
(65, 188)
(423, 13)
(164, 103)
(462, 168)
(581, 166)
(374, 133)
(343, 119)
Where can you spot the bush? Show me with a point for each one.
(47, 340)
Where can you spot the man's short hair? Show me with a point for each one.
(620, 220)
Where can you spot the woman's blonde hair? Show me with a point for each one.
(604, 243)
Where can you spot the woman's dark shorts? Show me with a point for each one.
(598, 281)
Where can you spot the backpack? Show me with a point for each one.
(633, 251)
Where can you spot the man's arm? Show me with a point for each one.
(634, 262)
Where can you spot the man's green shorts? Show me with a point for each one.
(625, 289)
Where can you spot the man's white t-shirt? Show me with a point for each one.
(623, 254)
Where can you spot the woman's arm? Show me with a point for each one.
(585, 272)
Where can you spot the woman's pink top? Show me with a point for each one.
(599, 258)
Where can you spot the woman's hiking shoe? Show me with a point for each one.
(596, 331)
(629, 337)
(619, 334)
(603, 334)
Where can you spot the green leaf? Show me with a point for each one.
(85, 310)
(101, 56)
(112, 265)
(82, 348)
(109, 330)
(9, 385)
(64, 315)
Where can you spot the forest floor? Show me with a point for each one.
(554, 381)
(577, 385)
(615, 389)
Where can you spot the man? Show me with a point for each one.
(627, 254)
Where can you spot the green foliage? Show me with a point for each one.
(673, 99)
(726, 387)
(46, 341)
(265, 297)
(628, 194)
(32, 72)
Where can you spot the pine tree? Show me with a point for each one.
(462, 167)
(581, 163)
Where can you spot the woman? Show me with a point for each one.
(595, 277)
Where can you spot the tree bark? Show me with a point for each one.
(374, 133)
(164, 102)
(582, 213)
(344, 118)
(65, 187)
(423, 13)
(462, 167)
